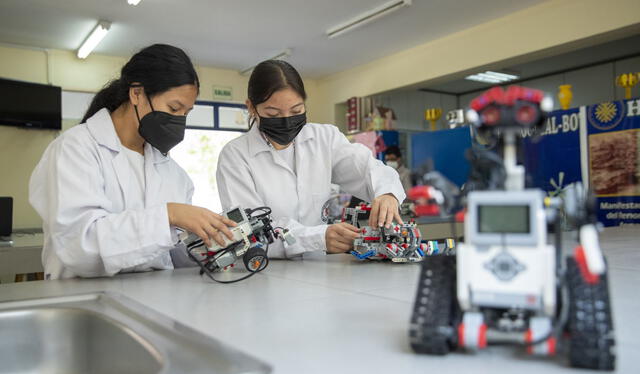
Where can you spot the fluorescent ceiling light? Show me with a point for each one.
(492, 77)
(94, 38)
(134, 2)
(367, 17)
(280, 56)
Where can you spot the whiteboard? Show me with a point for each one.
(201, 116)
(233, 118)
(75, 104)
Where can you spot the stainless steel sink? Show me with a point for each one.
(107, 333)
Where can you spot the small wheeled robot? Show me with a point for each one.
(398, 243)
(507, 284)
(250, 244)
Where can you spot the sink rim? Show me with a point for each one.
(74, 329)
(140, 339)
(146, 323)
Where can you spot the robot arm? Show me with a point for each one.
(579, 207)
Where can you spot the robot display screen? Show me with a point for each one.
(235, 215)
(510, 219)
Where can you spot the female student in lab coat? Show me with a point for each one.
(287, 164)
(109, 195)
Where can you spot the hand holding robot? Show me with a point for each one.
(398, 242)
(249, 242)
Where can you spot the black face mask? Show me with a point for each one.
(160, 129)
(283, 130)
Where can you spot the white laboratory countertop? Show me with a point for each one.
(332, 314)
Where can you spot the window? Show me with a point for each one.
(198, 156)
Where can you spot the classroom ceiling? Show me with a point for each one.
(592, 55)
(238, 34)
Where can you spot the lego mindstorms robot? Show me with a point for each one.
(507, 284)
(250, 244)
(401, 242)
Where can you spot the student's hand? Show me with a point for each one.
(340, 236)
(200, 221)
(384, 209)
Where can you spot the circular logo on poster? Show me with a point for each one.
(605, 116)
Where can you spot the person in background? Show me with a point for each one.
(289, 165)
(393, 158)
(109, 195)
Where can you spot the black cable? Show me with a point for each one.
(266, 211)
(208, 273)
(251, 274)
(195, 244)
(205, 270)
(262, 208)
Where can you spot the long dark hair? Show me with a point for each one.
(270, 76)
(157, 68)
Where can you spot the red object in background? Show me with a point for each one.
(427, 210)
(423, 198)
(420, 192)
(526, 114)
(508, 97)
(491, 116)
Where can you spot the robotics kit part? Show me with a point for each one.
(398, 243)
(506, 284)
(250, 243)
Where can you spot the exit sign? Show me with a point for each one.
(222, 93)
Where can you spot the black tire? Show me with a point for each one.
(435, 315)
(255, 258)
(590, 324)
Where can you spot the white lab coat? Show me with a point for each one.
(82, 188)
(251, 174)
